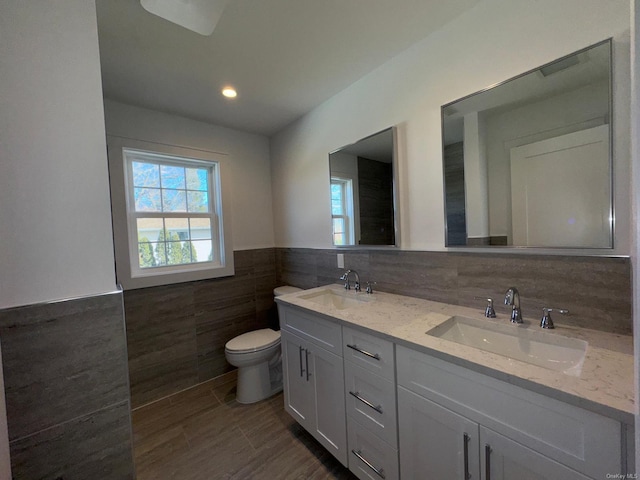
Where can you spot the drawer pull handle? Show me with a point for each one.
(377, 408)
(306, 362)
(301, 367)
(465, 443)
(487, 463)
(358, 454)
(364, 352)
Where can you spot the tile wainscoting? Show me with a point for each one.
(176, 333)
(596, 290)
(66, 389)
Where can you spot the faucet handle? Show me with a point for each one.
(345, 277)
(369, 288)
(546, 321)
(489, 312)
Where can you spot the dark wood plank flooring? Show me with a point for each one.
(204, 434)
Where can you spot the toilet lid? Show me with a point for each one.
(285, 289)
(253, 341)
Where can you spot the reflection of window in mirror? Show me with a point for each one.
(342, 211)
(363, 212)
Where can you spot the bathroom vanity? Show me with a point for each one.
(382, 382)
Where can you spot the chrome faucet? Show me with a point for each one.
(512, 297)
(345, 277)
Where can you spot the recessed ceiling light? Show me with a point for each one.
(200, 16)
(229, 92)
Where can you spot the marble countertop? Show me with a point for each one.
(605, 384)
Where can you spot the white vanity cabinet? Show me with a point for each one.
(314, 377)
(450, 417)
(371, 405)
(438, 443)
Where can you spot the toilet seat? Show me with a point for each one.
(253, 341)
(285, 289)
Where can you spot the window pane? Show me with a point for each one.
(198, 201)
(200, 229)
(174, 200)
(175, 254)
(172, 177)
(146, 175)
(337, 205)
(189, 254)
(204, 250)
(147, 200)
(339, 236)
(149, 229)
(160, 253)
(176, 229)
(197, 179)
(146, 254)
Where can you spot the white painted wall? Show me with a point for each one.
(496, 40)
(635, 224)
(55, 221)
(475, 176)
(251, 212)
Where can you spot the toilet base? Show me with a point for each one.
(254, 384)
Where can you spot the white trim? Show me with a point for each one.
(124, 225)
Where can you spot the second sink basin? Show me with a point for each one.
(539, 348)
(335, 299)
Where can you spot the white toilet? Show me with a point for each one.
(258, 356)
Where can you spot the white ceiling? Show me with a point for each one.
(285, 57)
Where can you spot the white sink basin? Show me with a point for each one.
(336, 299)
(543, 349)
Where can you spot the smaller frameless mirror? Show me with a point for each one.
(527, 163)
(363, 192)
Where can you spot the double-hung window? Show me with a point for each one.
(342, 211)
(174, 218)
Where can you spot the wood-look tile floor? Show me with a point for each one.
(204, 434)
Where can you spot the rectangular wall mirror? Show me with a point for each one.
(363, 192)
(527, 163)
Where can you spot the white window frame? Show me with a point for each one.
(122, 152)
(348, 209)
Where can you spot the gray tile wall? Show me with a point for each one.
(176, 333)
(596, 290)
(67, 395)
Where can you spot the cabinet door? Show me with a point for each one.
(504, 459)
(298, 390)
(435, 443)
(327, 376)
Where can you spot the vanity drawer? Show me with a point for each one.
(371, 400)
(322, 332)
(583, 440)
(370, 458)
(370, 352)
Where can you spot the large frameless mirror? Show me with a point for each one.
(527, 163)
(363, 192)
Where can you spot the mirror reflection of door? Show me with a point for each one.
(560, 190)
(549, 103)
